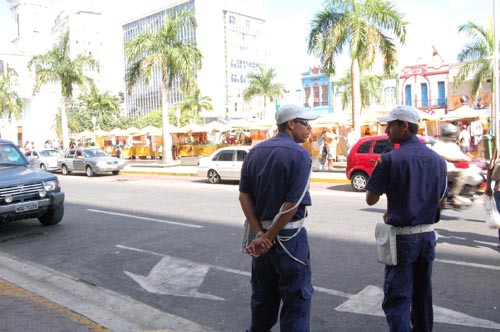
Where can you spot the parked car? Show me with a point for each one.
(364, 155)
(223, 164)
(90, 161)
(25, 191)
(45, 159)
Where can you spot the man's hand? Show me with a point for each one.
(260, 245)
(488, 192)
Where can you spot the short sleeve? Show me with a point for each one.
(299, 178)
(378, 181)
(244, 181)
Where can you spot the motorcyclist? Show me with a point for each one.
(451, 152)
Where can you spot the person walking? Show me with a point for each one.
(493, 175)
(274, 186)
(413, 178)
(331, 141)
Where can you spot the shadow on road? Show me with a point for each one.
(467, 239)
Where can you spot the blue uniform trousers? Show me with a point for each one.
(407, 287)
(276, 277)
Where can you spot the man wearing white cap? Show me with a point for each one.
(413, 178)
(273, 196)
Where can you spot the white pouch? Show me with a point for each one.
(492, 215)
(386, 244)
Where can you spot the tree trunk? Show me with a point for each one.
(264, 113)
(356, 96)
(167, 139)
(64, 123)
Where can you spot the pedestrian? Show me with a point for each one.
(493, 175)
(413, 178)
(332, 140)
(273, 186)
(464, 139)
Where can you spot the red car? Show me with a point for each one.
(364, 155)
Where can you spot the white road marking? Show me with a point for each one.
(146, 218)
(167, 278)
(482, 266)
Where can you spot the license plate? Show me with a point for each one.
(26, 207)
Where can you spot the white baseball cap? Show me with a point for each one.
(291, 112)
(403, 113)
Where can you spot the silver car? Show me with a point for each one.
(223, 164)
(45, 159)
(90, 161)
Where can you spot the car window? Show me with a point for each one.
(365, 147)
(28, 154)
(9, 155)
(78, 154)
(226, 155)
(240, 155)
(70, 154)
(49, 153)
(382, 146)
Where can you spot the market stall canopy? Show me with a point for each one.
(217, 126)
(132, 131)
(331, 119)
(424, 116)
(83, 134)
(193, 128)
(150, 130)
(117, 132)
(462, 113)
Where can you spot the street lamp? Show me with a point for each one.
(94, 121)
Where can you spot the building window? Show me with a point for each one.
(441, 95)
(324, 94)
(408, 94)
(316, 95)
(425, 97)
(307, 91)
(390, 96)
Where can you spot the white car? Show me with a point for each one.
(223, 164)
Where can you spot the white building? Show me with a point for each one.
(230, 38)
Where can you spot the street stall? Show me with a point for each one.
(193, 141)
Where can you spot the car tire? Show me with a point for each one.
(64, 170)
(89, 171)
(358, 181)
(43, 167)
(115, 172)
(52, 216)
(213, 176)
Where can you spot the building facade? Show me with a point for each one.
(317, 91)
(230, 40)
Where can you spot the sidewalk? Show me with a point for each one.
(154, 167)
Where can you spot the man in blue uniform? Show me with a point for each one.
(274, 179)
(414, 179)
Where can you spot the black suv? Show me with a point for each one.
(26, 192)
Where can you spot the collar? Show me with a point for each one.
(411, 139)
(284, 135)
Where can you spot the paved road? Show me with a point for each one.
(171, 245)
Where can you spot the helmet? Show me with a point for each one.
(449, 131)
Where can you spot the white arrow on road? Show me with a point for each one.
(182, 277)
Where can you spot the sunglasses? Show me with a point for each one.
(302, 122)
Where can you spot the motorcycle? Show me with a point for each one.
(474, 186)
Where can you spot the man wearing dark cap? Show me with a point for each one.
(273, 196)
(413, 178)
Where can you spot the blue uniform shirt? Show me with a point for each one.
(276, 171)
(414, 179)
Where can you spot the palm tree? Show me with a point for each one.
(194, 104)
(10, 102)
(366, 28)
(371, 87)
(477, 55)
(164, 49)
(261, 83)
(103, 106)
(57, 66)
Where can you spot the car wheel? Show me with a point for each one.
(65, 170)
(43, 167)
(213, 176)
(115, 172)
(52, 216)
(89, 171)
(358, 181)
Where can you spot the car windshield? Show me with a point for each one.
(49, 153)
(94, 153)
(10, 156)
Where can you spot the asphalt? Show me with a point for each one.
(155, 167)
(22, 309)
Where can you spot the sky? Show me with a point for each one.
(430, 23)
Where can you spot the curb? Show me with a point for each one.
(313, 179)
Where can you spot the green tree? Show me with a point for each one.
(164, 49)
(56, 66)
(103, 106)
(261, 84)
(194, 104)
(10, 102)
(476, 56)
(153, 118)
(370, 88)
(365, 28)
